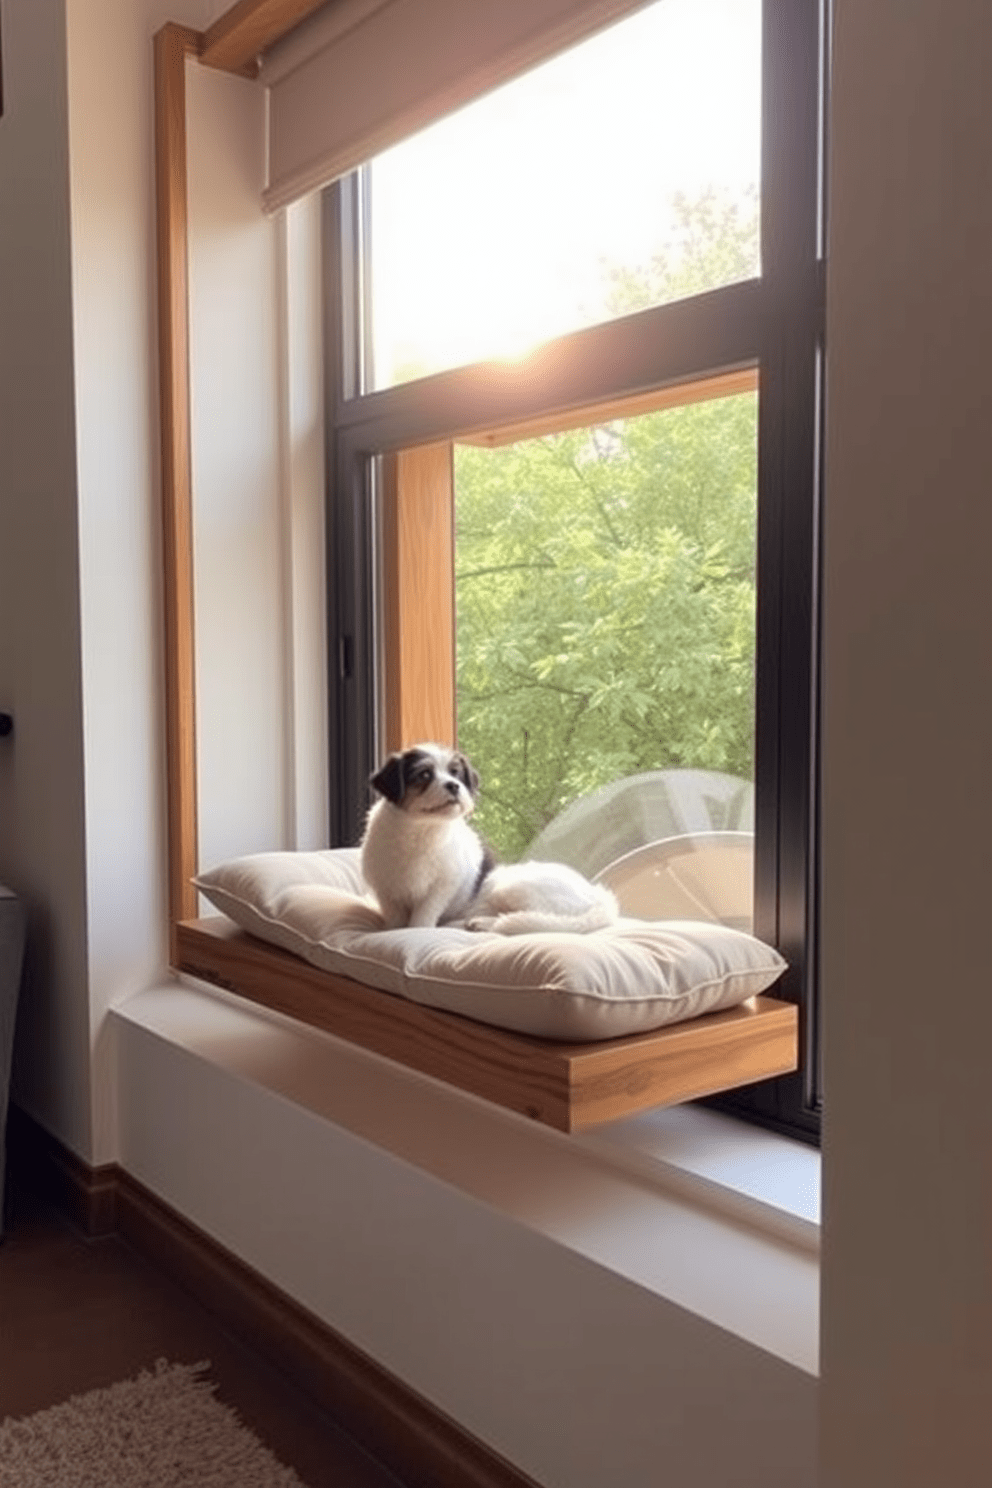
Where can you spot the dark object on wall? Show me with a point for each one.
(6, 724)
(11, 958)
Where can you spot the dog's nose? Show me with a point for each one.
(452, 787)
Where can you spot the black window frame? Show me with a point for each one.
(774, 322)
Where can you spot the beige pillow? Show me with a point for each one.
(634, 976)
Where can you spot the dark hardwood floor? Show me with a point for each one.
(78, 1314)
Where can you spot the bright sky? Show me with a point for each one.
(490, 228)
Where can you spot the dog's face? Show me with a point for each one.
(429, 780)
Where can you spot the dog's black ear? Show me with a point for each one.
(389, 781)
(468, 776)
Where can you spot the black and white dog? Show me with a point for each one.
(426, 866)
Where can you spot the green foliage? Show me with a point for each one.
(605, 592)
(606, 583)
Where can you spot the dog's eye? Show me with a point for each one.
(423, 777)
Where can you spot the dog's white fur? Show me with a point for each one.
(426, 866)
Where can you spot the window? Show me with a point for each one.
(596, 558)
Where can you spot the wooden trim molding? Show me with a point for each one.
(567, 1086)
(672, 395)
(237, 39)
(173, 44)
(396, 1426)
(87, 1196)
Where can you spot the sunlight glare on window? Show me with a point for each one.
(574, 194)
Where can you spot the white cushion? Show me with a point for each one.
(634, 976)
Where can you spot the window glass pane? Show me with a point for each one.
(605, 585)
(584, 190)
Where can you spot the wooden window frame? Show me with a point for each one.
(564, 1085)
(416, 531)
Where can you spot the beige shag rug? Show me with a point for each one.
(161, 1430)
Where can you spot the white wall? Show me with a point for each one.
(82, 781)
(258, 488)
(42, 838)
(907, 1334)
(113, 223)
(237, 549)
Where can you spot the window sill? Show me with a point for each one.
(694, 1206)
(757, 1176)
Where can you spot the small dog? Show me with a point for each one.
(426, 865)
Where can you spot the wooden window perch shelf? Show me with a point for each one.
(567, 1086)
